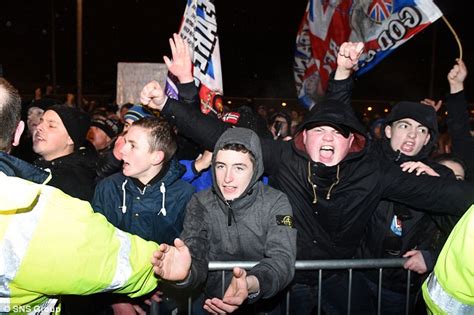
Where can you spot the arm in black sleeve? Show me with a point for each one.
(340, 90)
(200, 128)
(107, 164)
(432, 194)
(188, 94)
(459, 129)
(458, 116)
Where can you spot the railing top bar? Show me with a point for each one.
(318, 264)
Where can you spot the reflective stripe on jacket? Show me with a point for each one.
(450, 288)
(52, 244)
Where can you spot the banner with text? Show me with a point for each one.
(382, 25)
(199, 29)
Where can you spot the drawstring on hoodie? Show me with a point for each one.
(328, 196)
(124, 206)
(314, 186)
(163, 192)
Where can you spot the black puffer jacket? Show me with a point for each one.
(75, 173)
(346, 195)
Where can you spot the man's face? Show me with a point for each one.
(33, 119)
(326, 145)
(233, 171)
(51, 140)
(408, 136)
(98, 138)
(138, 161)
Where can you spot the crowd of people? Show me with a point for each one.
(104, 188)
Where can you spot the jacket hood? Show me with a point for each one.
(251, 142)
(336, 114)
(425, 115)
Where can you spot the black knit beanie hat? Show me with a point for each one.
(77, 122)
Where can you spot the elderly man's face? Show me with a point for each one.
(326, 145)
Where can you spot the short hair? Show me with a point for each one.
(10, 113)
(160, 137)
(240, 148)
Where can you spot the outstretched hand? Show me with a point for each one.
(172, 262)
(153, 95)
(234, 296)
(347, 58)
(181, 64)
(456, 76)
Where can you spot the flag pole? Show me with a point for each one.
(455, 35)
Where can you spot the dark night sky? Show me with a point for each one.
(257, 43)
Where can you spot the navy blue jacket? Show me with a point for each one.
(139, 211)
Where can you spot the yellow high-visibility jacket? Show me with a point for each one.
(450, 287)
(52, 244)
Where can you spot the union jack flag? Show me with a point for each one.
(380, 10)
(328, 23)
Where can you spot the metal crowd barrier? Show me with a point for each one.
(320, 265)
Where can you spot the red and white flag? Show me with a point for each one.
(382, 25)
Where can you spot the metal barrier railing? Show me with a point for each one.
(319, 266)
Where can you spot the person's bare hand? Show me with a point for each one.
(153, 95)
(203, 161)
(181, 64)
(418, 167)
(432, 103)
(456, 76)
(234, 296)
(347, 57)
(172, 262)
(416, 262)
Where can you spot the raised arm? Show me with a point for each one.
(458, 116)
(347, 59)
(341, 83)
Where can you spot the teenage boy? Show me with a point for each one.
(240, 218)
(147, 198)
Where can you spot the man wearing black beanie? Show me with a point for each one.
(59, 140)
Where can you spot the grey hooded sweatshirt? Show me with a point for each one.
(256, 226)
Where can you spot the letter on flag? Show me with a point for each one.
(199, 29)
(382, 25)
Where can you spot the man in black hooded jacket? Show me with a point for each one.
(396, 230)
(332, 183)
